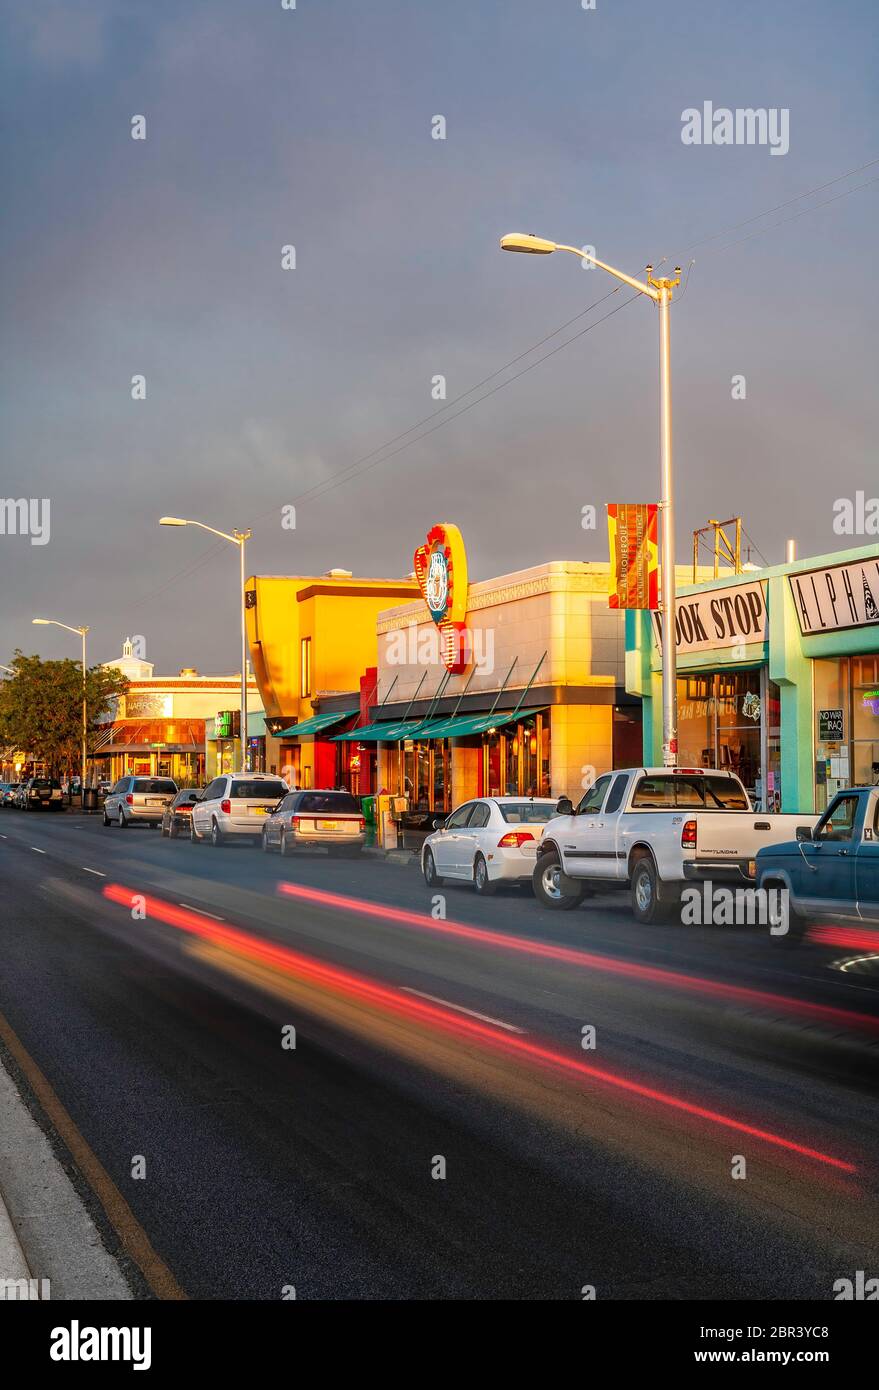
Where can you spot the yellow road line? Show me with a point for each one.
(133, 1237)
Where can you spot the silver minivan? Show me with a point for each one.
(139, 800)
(235, 806)
(332, 818)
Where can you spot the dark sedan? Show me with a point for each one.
(178, 815)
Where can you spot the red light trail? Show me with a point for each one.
(571, 955)
(391, 1000)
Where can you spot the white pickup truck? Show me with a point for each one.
(653, 830)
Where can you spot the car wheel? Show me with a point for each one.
(552, 887)
(648, 901)
(123, 823)
(778, 916)
(107, 820)
(282, 844)
(264, 840)
(193, 833)
(428, 868)
(484, 885)
(217, 836)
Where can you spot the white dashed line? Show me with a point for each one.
(37, 851)
(459, 1008)
(86, 870)
(201, 912)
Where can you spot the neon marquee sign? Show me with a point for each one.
(441, 570)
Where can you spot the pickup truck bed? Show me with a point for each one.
(653, 830)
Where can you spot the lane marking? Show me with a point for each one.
(199, 910)
(459, 1008)
(391, 999)
(86, 870)
(134, 1238)
(37, 851)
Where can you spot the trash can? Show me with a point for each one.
(368, 805)
(90, 799)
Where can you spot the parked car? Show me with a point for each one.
(235, 806)
(831, 872)
(487, 841)
(652, 830)
(7, 793)
(316, 817)
(17, 801)
(177, 815)
(139, 800)
(41, 794)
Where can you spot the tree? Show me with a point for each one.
(41, 708)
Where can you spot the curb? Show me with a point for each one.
(13, 1265)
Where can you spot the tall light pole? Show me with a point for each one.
(237, 538)
(660, 291)
(52, 622)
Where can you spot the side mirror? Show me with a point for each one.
(564, 806)
(804, 832)
(438, 824)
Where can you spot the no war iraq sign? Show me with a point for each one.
(718, 618)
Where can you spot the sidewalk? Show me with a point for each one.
(49, 1245)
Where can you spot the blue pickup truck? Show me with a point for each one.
(831, 870)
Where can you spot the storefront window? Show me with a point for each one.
(721, 721)
(846, 706)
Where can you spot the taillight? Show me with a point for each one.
(361, 825)
(226, 807)
(688, 834)
(514, 839)
(129, 800)
(295, 822)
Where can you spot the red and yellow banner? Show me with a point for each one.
(634, 555)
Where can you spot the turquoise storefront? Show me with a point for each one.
(778, 677)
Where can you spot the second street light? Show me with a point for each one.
(52, 622)
(660, 291)
(237, 538)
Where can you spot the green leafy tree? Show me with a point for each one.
(41, 708)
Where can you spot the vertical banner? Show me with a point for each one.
(634, 557)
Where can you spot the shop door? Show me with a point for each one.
(835, 859)
(867, 866)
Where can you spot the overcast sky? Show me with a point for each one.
(313, 128)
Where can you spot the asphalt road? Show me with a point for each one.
(152, 981)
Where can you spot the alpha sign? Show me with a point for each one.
(840, 596)
(717, 618)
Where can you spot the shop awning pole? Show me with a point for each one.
(529, 685)
(503, 687)
(447, 676)
(415, 696)
(463, 692)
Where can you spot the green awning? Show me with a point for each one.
(469, 724)
(391, 731)
(423, 729)
(316, 723)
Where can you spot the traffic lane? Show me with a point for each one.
(653, 1133)
(268, 1168)
(603, 922)
(558, 1004)
(682, 1072)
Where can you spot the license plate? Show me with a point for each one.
(258, 810)
(155, 801)
(328, 825)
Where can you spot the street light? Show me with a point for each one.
(237, 538)
(660, 291)
(52, 622)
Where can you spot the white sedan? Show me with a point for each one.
(487, 841)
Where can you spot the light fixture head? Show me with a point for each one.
(531, 245)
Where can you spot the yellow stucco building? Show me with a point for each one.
(312, 643)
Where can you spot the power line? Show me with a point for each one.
(356, 468)
(819, 188)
